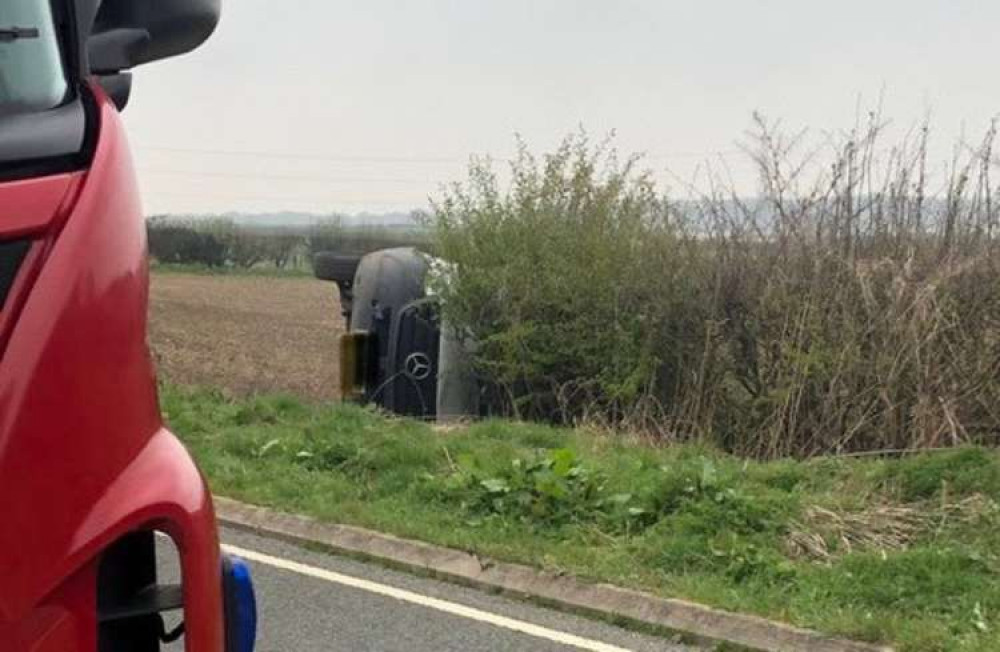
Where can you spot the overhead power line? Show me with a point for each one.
(304, 157)
(286, 199)
(288, 177)
(395, 159)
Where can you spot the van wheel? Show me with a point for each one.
(340, 268)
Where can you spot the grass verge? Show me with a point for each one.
(903, 551)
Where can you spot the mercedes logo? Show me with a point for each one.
(417, 366)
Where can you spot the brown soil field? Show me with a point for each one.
(246, 334)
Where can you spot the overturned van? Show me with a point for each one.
(398, 352)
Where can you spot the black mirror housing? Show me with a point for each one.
(114, 50)
(128, 33)
(118, 87)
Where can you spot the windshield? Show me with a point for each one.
(31, 72)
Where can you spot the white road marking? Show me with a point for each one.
(425, 601)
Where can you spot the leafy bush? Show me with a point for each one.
(554, 279)
(553, 489)
(843, 308)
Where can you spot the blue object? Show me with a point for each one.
(240, 605)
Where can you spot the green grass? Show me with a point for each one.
(682, 521)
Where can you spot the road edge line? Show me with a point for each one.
(455, 609)
(560, 590)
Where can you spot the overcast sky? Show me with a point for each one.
(336, 105)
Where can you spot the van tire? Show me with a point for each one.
(339, 268)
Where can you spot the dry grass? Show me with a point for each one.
(823, 534)
(246, 334)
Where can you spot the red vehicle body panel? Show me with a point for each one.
(84, 455)
(31, 204)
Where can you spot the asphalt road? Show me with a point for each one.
(311, 601)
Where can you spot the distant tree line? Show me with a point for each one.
(218, 243)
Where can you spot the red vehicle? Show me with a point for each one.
(88, 473)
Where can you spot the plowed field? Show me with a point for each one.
(246, 334)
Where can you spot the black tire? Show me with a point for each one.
(339, 268)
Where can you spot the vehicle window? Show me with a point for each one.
(31, 71)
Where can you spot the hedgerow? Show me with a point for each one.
(843, 307)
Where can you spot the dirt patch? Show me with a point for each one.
(246, 334)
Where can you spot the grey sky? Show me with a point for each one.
(375, 103)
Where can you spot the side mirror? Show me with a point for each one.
(112, 51)
(127, 33)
